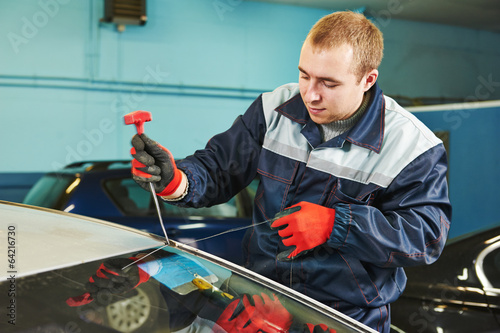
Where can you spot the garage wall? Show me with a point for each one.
(474, 160)
(435, 64)
(66, 80)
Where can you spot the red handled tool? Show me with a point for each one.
(138, 118)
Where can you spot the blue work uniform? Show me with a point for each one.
(385, 177)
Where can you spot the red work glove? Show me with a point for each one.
(307, 225)
(321, 328)
(109, 280)
(264, 315)
(154, 163)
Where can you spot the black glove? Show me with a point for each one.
(154, 163)
(110, 280)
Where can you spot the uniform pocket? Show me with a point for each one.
(350, 192)
(367, 288)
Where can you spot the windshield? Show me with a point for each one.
(183, 292)
(50, 191)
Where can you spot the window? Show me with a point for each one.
(184, 291)
(50, 191)
(132, 200)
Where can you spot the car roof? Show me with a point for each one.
(58, 239)
(93, 166)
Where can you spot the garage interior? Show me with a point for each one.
(69, 73)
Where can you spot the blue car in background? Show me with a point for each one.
(106, 190)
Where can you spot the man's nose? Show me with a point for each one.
(312, 94)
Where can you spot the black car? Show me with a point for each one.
(458, 293)
(106, 190)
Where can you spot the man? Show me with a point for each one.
(353, 186)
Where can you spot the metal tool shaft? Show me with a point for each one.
(155, 199)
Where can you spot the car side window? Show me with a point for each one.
(132, 200)
(227, 209)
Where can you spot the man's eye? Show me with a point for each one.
(329, 85)
(304, 77)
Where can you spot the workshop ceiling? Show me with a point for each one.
(474, 14)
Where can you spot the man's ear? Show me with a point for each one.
(370, 79)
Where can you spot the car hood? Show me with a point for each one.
(59, 239)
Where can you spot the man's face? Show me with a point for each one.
(328, 86)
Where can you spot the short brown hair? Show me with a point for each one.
(355, 30)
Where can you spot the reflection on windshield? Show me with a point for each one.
(183, 293)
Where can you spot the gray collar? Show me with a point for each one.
(336, 128)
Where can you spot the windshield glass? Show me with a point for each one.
(181, 292)
(50, 191)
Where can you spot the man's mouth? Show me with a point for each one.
(316, 110)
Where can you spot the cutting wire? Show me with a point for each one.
(158, 210)
(200, 240)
